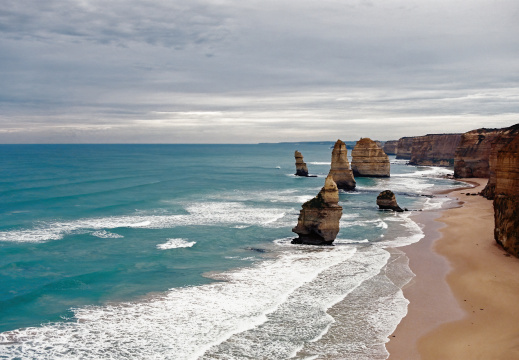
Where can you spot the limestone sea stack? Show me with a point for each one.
(340, 169)
(368, 159)
(318, 222)
(386, 200)
(301, 169)
(506, 201)
(390, 147)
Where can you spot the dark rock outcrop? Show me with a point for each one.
(368, 159)
(340, 168)
(506, 201)
(505, 137)
(434, 149)
(404, 148)
(386, 200)
(390, 147)
(301, 169)
(318, 222)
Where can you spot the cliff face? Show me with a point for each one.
(434, 149)
(340, 169)
(390, 147)
(368, 159)
(473, 153)
(506, 202)
(301, 169)
(403, 150)
(504, 138)
(318, 222)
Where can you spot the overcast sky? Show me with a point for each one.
(246, 71)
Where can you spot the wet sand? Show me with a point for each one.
(464, 298)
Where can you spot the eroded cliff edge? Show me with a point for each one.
(434, 149)
(390, 147)
(506, 202)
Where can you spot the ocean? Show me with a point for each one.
(183, 252)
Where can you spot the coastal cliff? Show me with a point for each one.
(301, 169)
(434, 149)
(318, 222)
(506, 202)
(368, 159)
(390, 147)
(472, 155)
(503, 139)
(340, 168)
(404, 148)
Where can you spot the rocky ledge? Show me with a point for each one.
(368, 159)
(318, 222)
(340, 168)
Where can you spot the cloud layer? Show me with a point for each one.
(227, 71)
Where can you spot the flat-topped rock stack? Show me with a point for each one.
(340, 168)
(368, 159)
(318, 222)
(390, 147)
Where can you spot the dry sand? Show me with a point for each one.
(464, 300)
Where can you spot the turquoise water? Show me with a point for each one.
(130, 246)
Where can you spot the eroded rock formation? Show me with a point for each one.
(318, 222)
(368, 159)
(503, 139)
(434, 149)
(506, 202)
(390, 147)
(340, 168)
(386, 200)
(301, 169)
(471, 159)
(404, 148)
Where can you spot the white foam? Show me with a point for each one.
(185, 323)
(210, 213)
(320, 163)
(176, 243)
(103, 234)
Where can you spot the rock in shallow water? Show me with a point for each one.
(386, 200)
(301, 169)
(318, 222)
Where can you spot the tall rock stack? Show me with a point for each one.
(318, 222)
(301, 169)
(340, 169)
(390, 147)
(368, 159)
(434, 149)
(404, 148)
(503, 139)
(506, 201)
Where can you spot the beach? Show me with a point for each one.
(462, 300)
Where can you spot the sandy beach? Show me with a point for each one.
(463, 298)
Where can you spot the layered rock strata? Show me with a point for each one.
(301, 169)
(390, 147)
(404, 148)
(503, 139)
(471, 159)
(340, 168)
(506, 201)
(318, 222)
(368, 159)
(386, 200)
(434, 149)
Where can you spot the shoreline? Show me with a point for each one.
(459, 270)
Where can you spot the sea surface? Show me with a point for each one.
(183, 252)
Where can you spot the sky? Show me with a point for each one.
(248, 71)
